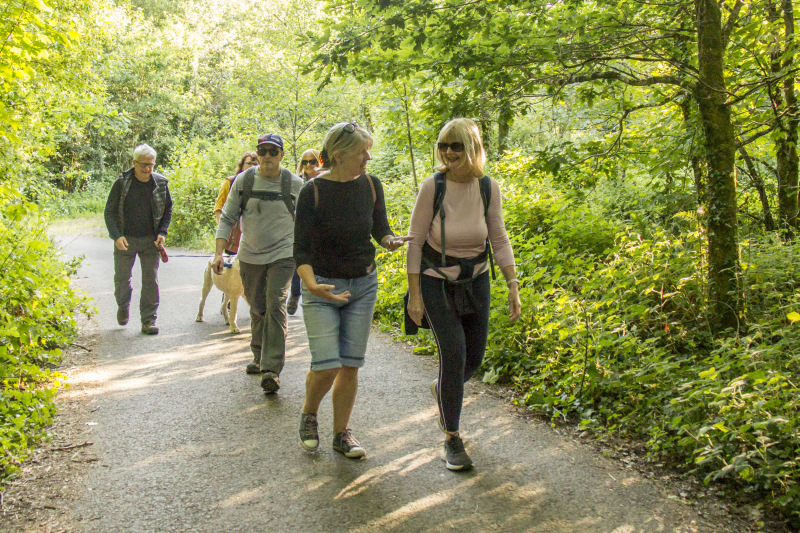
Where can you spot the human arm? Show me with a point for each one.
(320, 290)
(110, 214)
(503, 253)
(222, 195)
(166, 218)
(217, 263)
(381, 230)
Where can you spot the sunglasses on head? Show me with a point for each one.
(350, 127)
(456, 146)
(271, 151)
(305, 162)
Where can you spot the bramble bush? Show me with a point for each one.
(37, 318)
(614, 337)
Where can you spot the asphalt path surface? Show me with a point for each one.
(186, 440)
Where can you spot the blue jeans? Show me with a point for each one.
(338, 331)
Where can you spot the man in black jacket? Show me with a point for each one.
(137, 214)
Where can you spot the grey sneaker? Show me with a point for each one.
(122, 316)
(347, 444)
(291, 304)
(309, 437)
(454, 454)
(270, 383)
(253, 368)
(149, 329)
(434, 383)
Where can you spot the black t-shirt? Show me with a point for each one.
(138, 209)
(334, 237)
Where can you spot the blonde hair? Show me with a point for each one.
(341, 141)
(465, 131)
(311, 151)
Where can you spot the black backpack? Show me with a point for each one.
(247, 193)
(440, 187)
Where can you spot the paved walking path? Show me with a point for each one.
(186, 441)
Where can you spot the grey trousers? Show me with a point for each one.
(266, 288)
(123, 269)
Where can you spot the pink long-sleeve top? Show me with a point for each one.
(465, 227)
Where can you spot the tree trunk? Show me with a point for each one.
(695, 160)
(410, 143)
(785, 107)
(503, 127)
(710, 91)
(758, 183)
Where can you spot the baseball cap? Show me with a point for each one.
(271, 138)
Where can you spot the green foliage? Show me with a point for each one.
(613, 334)
(37, 318)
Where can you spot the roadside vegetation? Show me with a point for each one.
(650, 187)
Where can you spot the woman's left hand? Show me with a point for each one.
(514, 303)
(393, 242)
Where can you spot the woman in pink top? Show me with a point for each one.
(455, 297)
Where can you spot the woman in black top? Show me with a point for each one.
(337, 213)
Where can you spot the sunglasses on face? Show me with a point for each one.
(456, 146)
(271, 151)
(305, 162)
(348, 128)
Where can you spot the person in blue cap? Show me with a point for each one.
(264, 197)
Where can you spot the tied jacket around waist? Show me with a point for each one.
(161, 203)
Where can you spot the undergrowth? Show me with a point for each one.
(614, 336)
(37, 318)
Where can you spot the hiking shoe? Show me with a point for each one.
(454, 454)
(291, 304)
(270, 383)
(309, 437)
(347, 444)
(253, 368)
(149, 329)
(122, 316)
(434, 383)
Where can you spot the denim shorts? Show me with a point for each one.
(338, 331)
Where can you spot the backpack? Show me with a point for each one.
(249, 178)
(440, 186)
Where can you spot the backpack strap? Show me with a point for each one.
(486, 194)
(440, 187)
(286, 191)
(285, 194)
(247, 188)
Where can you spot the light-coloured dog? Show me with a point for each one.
(230, 283)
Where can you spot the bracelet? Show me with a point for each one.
(512, 280)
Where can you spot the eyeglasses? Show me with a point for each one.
(350, 127)
(305, 162)
(456, 146)
(250, 162)
(271, 151)
(145, 165)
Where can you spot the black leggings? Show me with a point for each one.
(461, 341)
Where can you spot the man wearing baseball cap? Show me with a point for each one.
(264, 198)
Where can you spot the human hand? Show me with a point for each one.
(121, 244)
(325, 291)
(160, 240)
(416, 309)
(217, 264)
(393, 242)
(514, 303)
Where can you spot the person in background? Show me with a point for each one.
(248, 159)
(265, 253)
(137, 214)
(307, 169)
(337, 213)
(456, 302)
